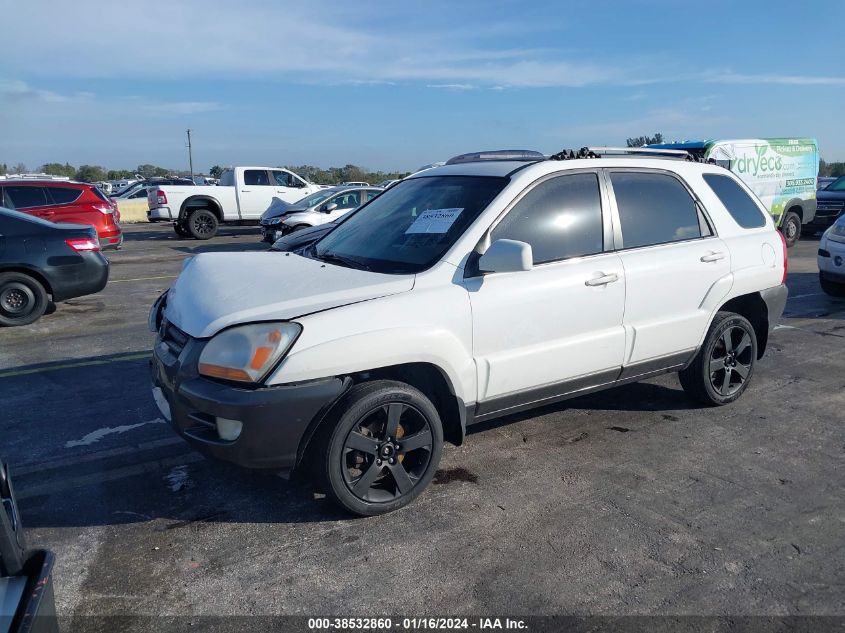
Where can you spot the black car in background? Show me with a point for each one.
(293, 242)
(830, 202)
(41, 261)
(26, 584)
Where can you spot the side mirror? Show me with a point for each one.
(506, 256)
(329, 207)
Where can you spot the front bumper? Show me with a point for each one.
(275, 419)
(272, 232)
(831, 259)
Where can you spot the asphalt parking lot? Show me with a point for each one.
(633, 501)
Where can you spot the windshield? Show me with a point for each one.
(314, 198)
(409, 227)
(837, 185)
(126, 189)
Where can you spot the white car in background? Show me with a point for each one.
(322, 207)
(832, 259)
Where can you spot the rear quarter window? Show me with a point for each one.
(24, 197)
(739, 204)
(64, 195)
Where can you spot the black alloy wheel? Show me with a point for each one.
(387, 452)
(722, 368)
(379, 447)
(202, 224)
(730, 361)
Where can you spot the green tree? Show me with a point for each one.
(639, 141)
(57, 169)
(831, 169)
(215, 171)
(90, 173)
(151, 171)
(3, 169)
(119, 174)
(20, 168)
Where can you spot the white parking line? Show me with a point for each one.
(96, 436)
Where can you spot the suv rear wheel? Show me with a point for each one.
(723, 367)
(22, 299)
(202, 224)
(381, 447)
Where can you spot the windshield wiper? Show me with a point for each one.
(348, 262)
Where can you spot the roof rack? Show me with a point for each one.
(602, 152)
(499, 154)
(33, 177)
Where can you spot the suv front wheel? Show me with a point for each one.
(380, 447)
(722, 368)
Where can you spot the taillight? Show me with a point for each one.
(83, 244)
(785, 262)
(104, 208)
(161, 197)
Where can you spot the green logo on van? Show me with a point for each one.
(760, 164)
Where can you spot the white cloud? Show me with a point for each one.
(730, 77)
(184, 107)
(452, 86)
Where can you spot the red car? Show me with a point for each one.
(66, 202)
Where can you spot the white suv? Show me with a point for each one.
(464, 293)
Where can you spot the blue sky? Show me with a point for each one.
(394, 85)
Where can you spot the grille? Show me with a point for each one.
(174, 338)
(829, 206)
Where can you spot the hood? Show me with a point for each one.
(216, 290)
(295, 217)
(277, 207)
(823, 194)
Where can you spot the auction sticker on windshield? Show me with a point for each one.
(434, 221)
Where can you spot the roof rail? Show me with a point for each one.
(499, 154)
(602, 152)
(33, 177)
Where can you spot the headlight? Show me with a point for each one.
(246, 353)
(154, 320)
(274, 220)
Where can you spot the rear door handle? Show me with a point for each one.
(713, 256)
(603, 280)
(245, 190)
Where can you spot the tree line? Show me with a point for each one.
(96, 173)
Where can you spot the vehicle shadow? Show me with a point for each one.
(641, 396)
(163, 233)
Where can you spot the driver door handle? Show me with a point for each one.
(713, 256)
(603, 280)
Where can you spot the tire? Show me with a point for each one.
(791, 228)
(715, 363)
(831, 287)
(202, 224)
(22, 299)
(180, 230)
(364, 466)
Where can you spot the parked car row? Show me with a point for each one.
(354, 357)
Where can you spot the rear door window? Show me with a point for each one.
(738, 203)
(256, 177)
(25, 197)
(64, 195)
(655, 208)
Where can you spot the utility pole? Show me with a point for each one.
(190, 155)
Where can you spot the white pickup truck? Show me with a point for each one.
(241, 196)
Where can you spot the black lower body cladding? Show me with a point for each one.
(275, 420)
